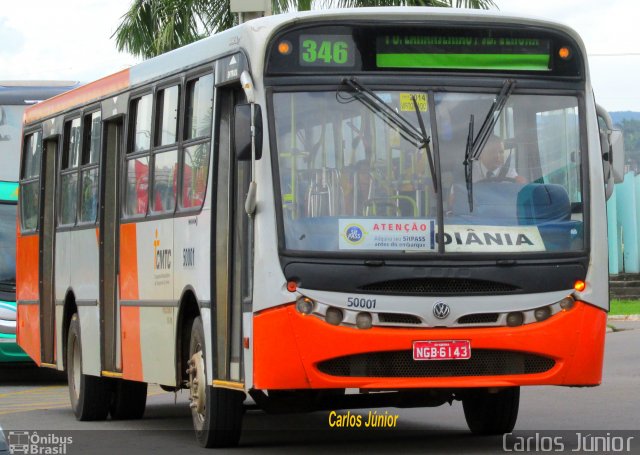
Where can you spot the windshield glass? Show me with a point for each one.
(350, 181)
(7, 245)
(10, 131)
(524, 187)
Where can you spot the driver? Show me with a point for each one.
(491, 163)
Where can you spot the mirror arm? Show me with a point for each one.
(250, 202)
(247, 85)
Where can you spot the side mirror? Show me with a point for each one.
(242, 123)
(617, 155)
(611, 149)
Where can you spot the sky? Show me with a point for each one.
(41, 39)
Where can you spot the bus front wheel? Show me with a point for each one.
(217, 413)
(489, 413)
(90, 395)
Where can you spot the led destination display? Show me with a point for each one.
(351, 49)
(462, 52)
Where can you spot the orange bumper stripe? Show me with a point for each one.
(288, 346)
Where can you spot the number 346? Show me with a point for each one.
(327, 51)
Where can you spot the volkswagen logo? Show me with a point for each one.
(441, 310)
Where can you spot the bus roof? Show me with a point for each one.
(21, 93)
(254, 35)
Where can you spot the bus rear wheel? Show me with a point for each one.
(491, 413)
(217, 413)
(90, 395)
(128, 400)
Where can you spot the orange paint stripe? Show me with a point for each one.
(27, 267)
(28, 330)
(130, 342)
(128, 263)
(93, 91)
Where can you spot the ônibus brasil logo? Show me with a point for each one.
(354, 234)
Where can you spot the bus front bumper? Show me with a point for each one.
(10, 351)
(293, 351)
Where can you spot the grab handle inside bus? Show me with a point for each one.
(242, 131)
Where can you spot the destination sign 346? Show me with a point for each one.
(421, 235)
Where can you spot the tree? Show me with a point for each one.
(153, 27)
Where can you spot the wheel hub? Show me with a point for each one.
(197, 383)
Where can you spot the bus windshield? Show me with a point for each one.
(10, 131)
(351, 181)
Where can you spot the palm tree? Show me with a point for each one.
(153, 27)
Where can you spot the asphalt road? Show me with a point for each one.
(37, 401)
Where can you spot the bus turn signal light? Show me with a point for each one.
(579, 285)
(284, 47)
(564, 53)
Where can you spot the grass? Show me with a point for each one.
(624, 307)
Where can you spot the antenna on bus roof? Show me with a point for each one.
(250, 9)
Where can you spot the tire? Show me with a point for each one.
(128, 400)
(492, 413)
(90, 395)
(217, 413)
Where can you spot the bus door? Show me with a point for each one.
(113, 144)
(47, 250)
(233, 243)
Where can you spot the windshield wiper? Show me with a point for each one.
(382, 109)
(468, 164)
(475, 146)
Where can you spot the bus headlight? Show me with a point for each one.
(304, 305)
(334, 316)
(542, 313)
(515, 319)
(567, 303)
(364, 320)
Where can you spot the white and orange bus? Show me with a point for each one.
(310, 208)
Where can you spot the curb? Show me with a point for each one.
(624, 317)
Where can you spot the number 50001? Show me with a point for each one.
(355, 302)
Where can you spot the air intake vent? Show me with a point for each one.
(438, 286)
(480, 318)
(400, 364)
(395, 318)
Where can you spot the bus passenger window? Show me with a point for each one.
(30, 189)
(33, 153)
(89, 174)
(167, 116)
(164, 181)
(137, 186)
(69, 172)
(194, 175)
(142, 125)
(199, 107)
(89, 199)
(195, 165)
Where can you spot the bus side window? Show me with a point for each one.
(165, 163)
(69, 172)
(89, 182)
(30, 186)
(197, 135)
(137, 175)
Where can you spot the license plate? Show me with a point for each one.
(442, 350)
